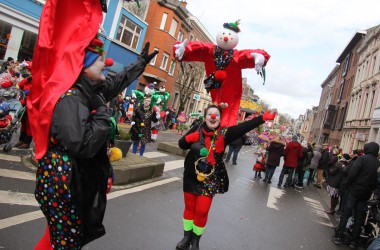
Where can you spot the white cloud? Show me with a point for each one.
(304, 39)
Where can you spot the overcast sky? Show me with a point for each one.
(303, 37)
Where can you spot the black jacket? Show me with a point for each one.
(335, 175)
(83, 134)
(220, 178)
(239, 142)
(324, 160)
(362, 176)
(275, 151)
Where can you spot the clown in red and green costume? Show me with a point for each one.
(224, 66)
(205, 174)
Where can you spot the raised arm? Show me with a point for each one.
(117, 83)
(236, 131)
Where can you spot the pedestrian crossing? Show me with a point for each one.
(27, 199)
(169, 165)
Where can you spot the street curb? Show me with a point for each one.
(135, 168)
(171, 147)
(130, 169)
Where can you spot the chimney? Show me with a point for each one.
(184, 3)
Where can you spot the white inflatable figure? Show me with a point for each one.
(149, 88)
(224, 66)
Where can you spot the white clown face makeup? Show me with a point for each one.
(227, 39)
(147, 102)
(95, 71)
(212, 118)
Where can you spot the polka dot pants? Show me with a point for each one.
(54, 197)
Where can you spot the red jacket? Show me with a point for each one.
(293, 151)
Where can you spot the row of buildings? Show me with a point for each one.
(348, 114)
(126, 27)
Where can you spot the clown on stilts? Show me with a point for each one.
(205, 174)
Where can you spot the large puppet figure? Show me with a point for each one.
(160, 96)
(140, 95)
(223, 66)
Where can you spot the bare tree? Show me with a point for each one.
(188, 81)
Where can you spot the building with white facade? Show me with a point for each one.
(364, 95)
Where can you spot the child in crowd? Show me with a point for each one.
(260, 164)
(5, 118)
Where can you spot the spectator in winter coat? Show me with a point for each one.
(6, 64)
(335, 178)
(314, 163)
(347, 162)
(361, 182)
(275, 151)
(302, 163)
(234, 147)
(322, 164)
(293, 151)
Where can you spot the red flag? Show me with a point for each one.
(66, 29)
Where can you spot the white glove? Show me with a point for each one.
(159, 100)
(134, 95)
(133, 123)
(167, 112)
(259, 61)
(180, 49)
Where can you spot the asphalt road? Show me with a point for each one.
(148, 215)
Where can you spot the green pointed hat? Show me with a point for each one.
(232, 26)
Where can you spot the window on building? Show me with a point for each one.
(154, 59)
(180, 36)
(141, 87)
(27, 45)
(371, 102)
(341, 89)
(346, 63)
(365, 107)
(373, 66)
(175, 99)
(173, 27)
(5, 32)
(128, 33)
(341, 117)
(140, 10)
(164, 62)
(163, 21)
(172, 67)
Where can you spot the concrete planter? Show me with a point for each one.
(124, 146)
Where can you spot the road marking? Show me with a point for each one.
(17, 174)
(154, 154)
(318, 210)
(18, 219)
(22, 218)
(10, 158)
(170, 165)
(274, 194)
(16, 198)
(140, 188)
